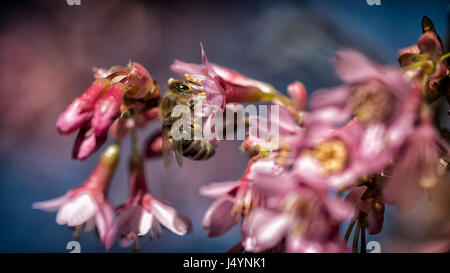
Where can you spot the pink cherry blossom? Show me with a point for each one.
(88, 202)
(223, 85)
(107, 109)
(138, 82)
(81, 109)
(142, 214)
(282, 142)
(417, 165)
(305, 218)
(383, 103)
(234, 198)
(125, 92)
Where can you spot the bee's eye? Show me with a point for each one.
(182, 87)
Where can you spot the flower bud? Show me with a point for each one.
(87, 143)
(110, 156)
(107, 109)
(297, 92)
(140, 84)
(81, 109)
(154, 146)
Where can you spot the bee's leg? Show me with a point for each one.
(192, 103)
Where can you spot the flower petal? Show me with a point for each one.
(217, 189)
(51, 205)
(104, 221)
(429, 43)
(87, 143)
(339, 209)
(264, 229)
(170, 218)
(129, 220)
(353, 66)
(214, 93)
(107, 109)
(181, 68)
(273, 185)
(218, 219)
(77, 211)
(80, 110)
(337, 96)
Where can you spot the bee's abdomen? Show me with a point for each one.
(197, 149)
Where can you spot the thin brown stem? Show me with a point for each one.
(349, 231)
(77, 232)
(136, 245)
(363, 239)
(356, 237)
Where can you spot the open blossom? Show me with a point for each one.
(333, 158)
(117, 92)
(417, 166)
(143, 213)
(281, 142)
(303, 218)
(234, 198)
(317, 153)
(379, 98)
(223, 85)
(88, 203)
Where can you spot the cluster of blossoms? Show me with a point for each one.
(359, 146)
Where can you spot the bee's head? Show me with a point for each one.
(179, 86)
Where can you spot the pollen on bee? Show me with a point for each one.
(191, 79)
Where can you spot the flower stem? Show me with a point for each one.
(445, 56)
(136, 245)
(349, 230)
(356, 237)
(134, 141)
(363, 239)
(77, 232)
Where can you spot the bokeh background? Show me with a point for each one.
(47, 50)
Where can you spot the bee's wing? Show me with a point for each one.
(171, 148)
(167, 149)
(178, 149)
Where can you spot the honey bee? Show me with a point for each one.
(181, 93)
